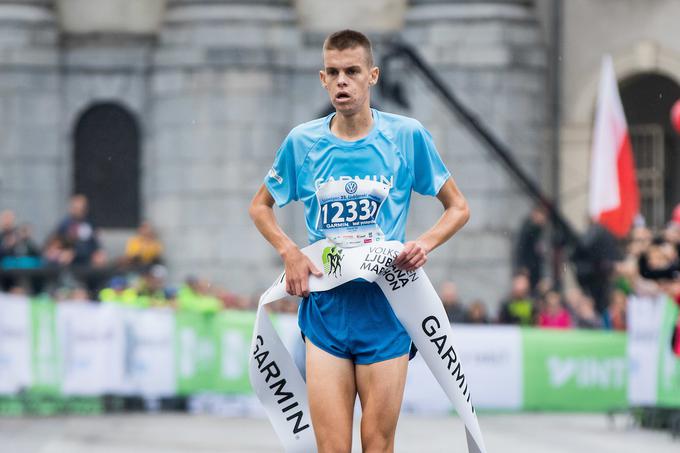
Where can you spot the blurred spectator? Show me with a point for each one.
(80, 294)
(17, 251)
(582, 310)
(448, 292)
(15, 241)
(660, 261)
(640, 239)
(518, 308)
(476, 313)
(615, 316)
(530, 249)
(70, 293)
(119, 292)
(195, 295)
(596, 262)
(18, 291)
(57, 252)
(144, 247)
(76, 234)
(553, 314)
(151, 291)
(7, 225)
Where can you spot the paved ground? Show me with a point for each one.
(504, 433)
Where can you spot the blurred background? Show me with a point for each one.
(135, 133)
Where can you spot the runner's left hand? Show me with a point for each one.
(412, 256)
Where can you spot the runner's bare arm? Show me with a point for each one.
(456, 214)
(297, 265)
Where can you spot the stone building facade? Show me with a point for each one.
(212, 87)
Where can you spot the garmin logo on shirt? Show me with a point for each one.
(387, 180)
(274, 175)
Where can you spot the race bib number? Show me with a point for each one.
(348, 211)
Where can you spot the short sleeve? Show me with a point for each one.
(429, 171)
(281, 180)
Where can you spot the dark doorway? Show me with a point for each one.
(647, 101)
(106, 165)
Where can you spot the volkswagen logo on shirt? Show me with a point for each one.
(351, 187)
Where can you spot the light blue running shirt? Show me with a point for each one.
(357, 192)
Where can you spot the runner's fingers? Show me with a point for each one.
(420, 263)
(403, 257)
(417, 256)
(304, 288)
(405, 252)
(314, 270)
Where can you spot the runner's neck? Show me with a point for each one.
(352, 127)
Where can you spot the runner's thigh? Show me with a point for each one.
(381, 389)
(332, 393)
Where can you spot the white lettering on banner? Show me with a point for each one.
(588, 372)
(279, 384)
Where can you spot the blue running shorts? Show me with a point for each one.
(353, 321)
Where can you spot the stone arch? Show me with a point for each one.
(576, 128)
(106, 164)
(645, 57)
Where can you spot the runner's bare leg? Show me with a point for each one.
(332, 393)
(381, 389)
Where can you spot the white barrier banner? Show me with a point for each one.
(92, 345)
(493, 361)
(644, 318)
(278, 383)
(15, 343)
(149, 355)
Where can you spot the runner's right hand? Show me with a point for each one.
(298, 268)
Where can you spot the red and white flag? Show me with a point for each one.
(614, 196)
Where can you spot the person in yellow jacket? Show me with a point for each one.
(144, 248)
(195, 295)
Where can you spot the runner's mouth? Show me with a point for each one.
(342, 96)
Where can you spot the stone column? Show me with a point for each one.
(110, 16)
(375, 16)
(221, 91)
(29, 113)
(492, 55)
(106, 50)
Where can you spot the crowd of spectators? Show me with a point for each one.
(72, 266)
(647, 263)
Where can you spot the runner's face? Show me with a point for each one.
(348, 78)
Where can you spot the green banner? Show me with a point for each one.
(233, 330)
(574, 370)
(669, 364)
(196, 352)
(45, 347)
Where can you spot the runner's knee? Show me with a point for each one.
(378, 441)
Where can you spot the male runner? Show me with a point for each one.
(354, 170)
